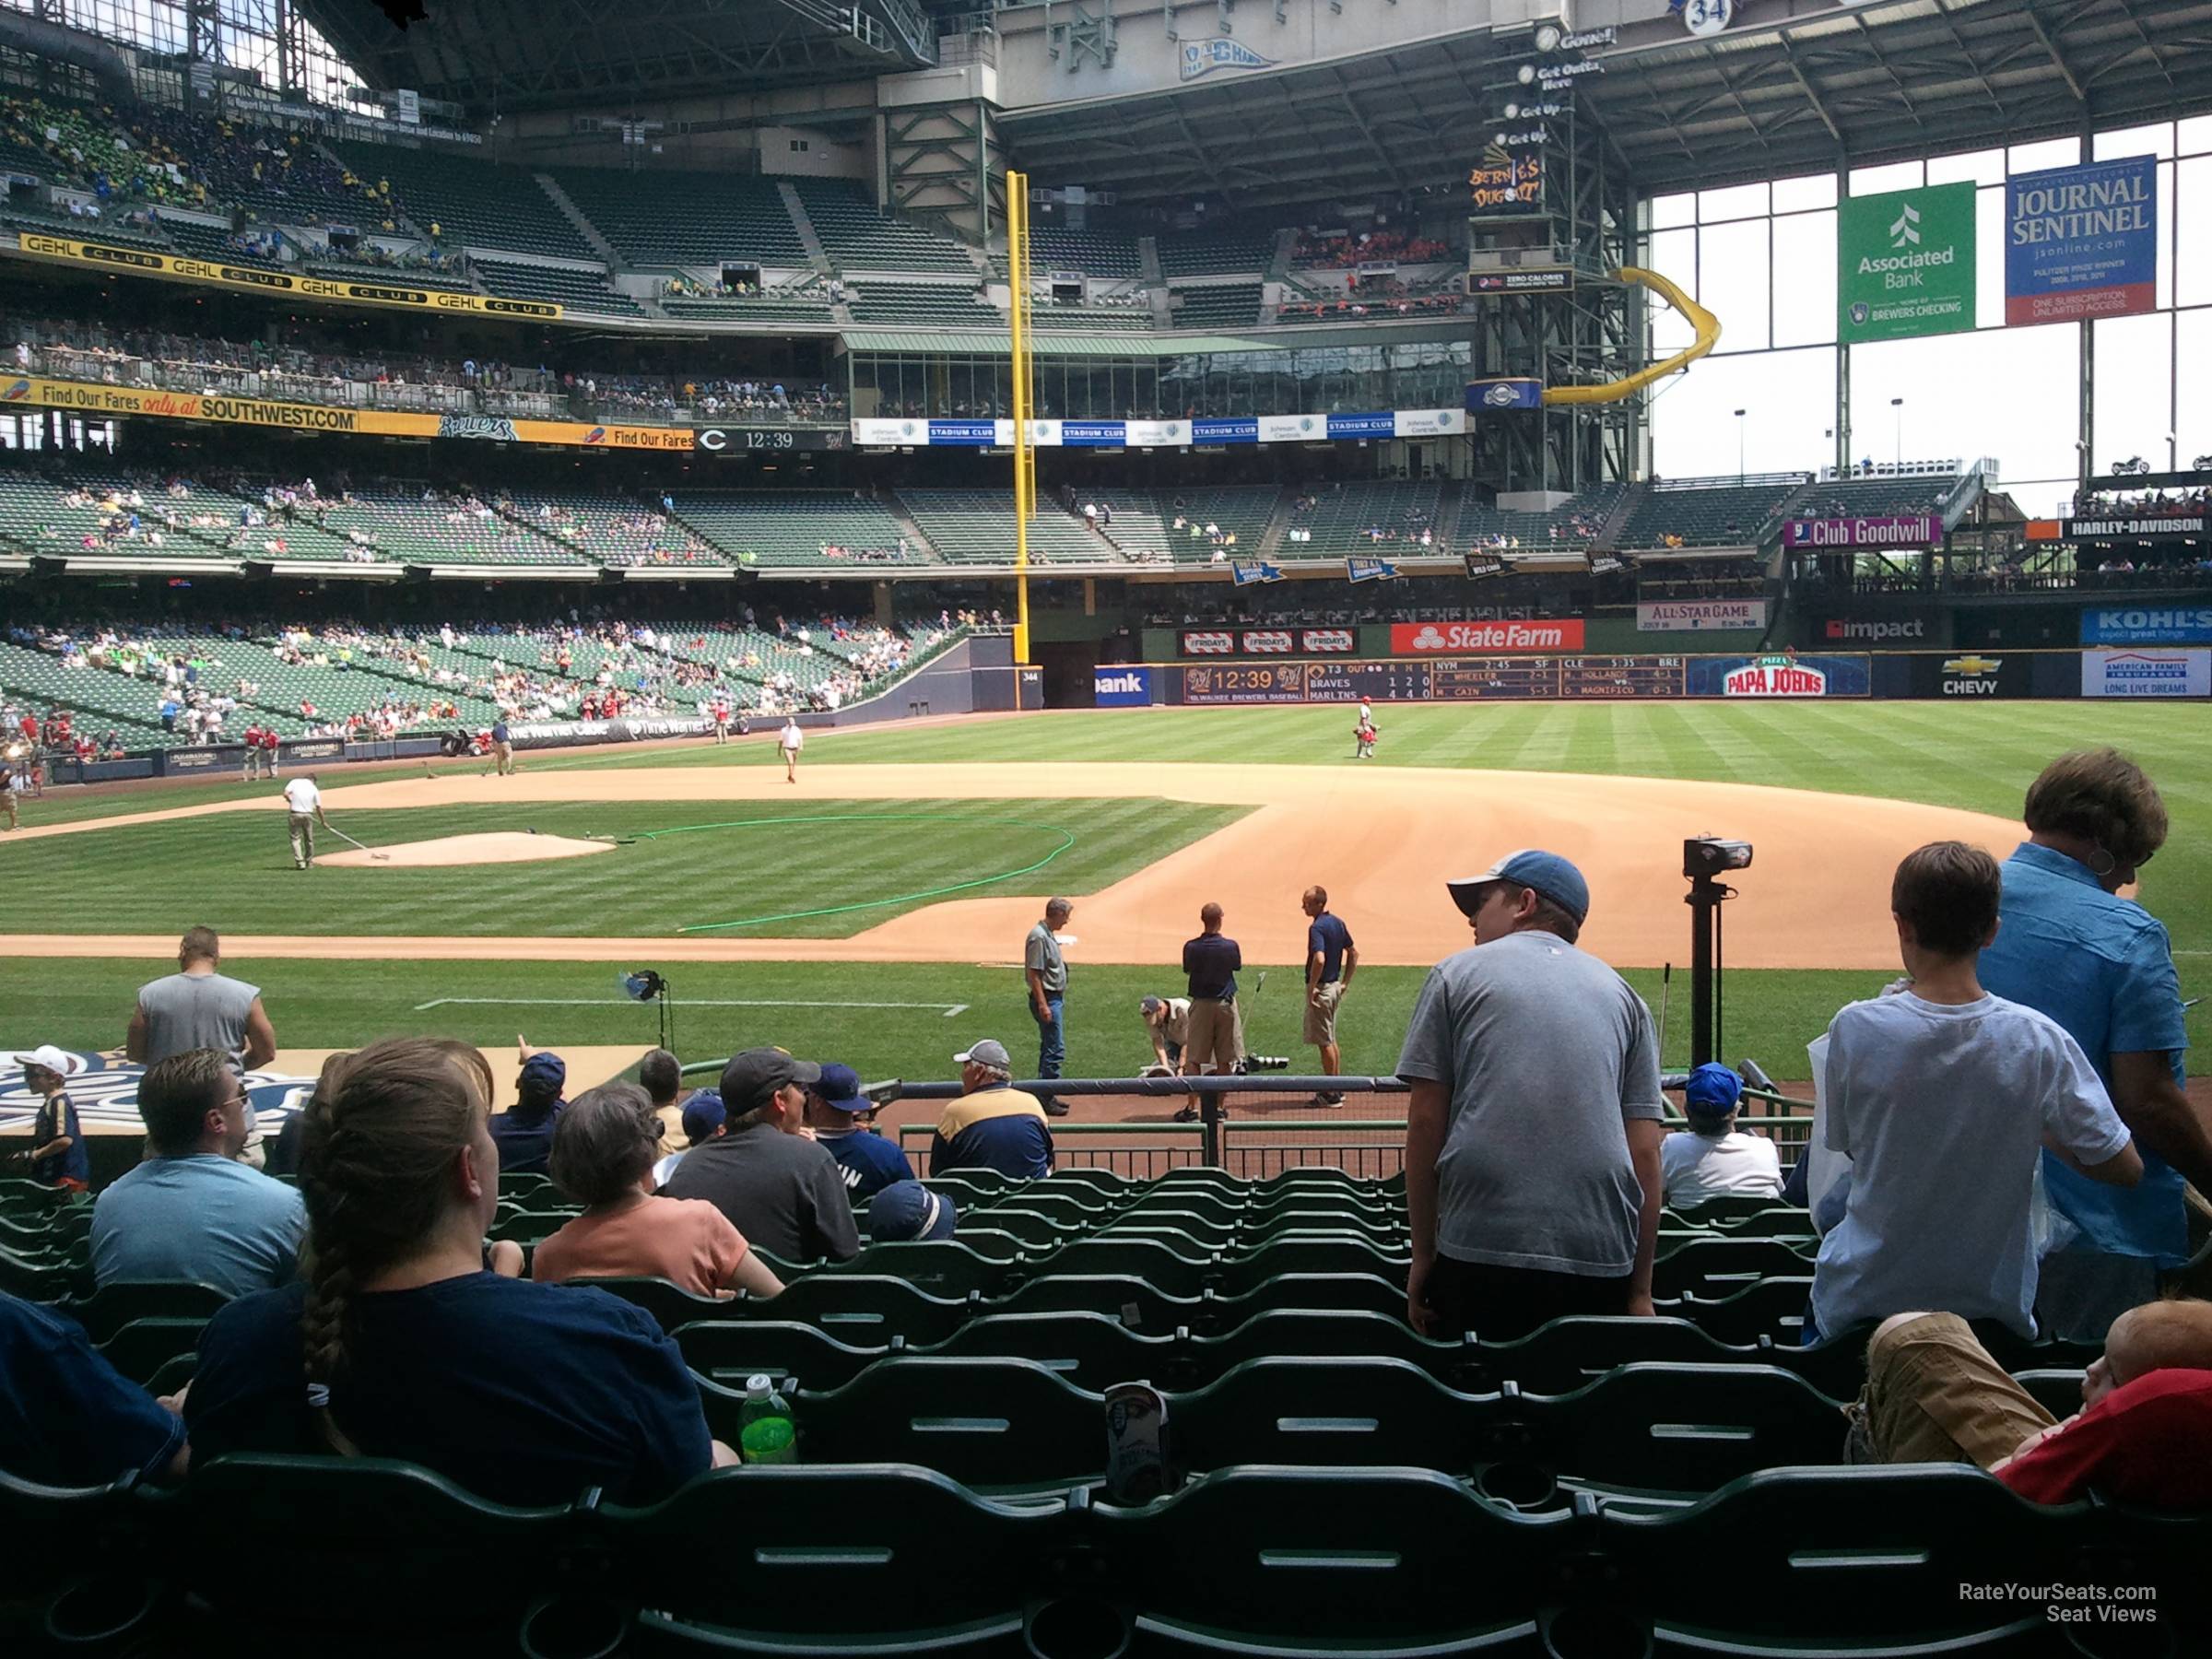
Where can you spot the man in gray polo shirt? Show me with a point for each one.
(1045, 971)
(1533, 1181)
(778, 1187)
(197, 1007)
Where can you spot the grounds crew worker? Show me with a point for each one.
(305, 801)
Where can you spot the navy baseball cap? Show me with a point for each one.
(543, 1073)
(841, 1087)
(1713, 1091)
(751, 1076)
(1547, 873)
(704, 1113)
(907, 1210)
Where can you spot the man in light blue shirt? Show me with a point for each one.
(192, 1210)
(2101, 967)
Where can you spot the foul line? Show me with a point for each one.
(950, 1010)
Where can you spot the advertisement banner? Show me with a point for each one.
(1375, 425)
(145, 261)
(1508, 185)
(2162, 527)
(1504, 396)
(1121, 688)
(1784, 676)
(551, 734)
(1434, 638)
(1893, 530)
(1528, 279)
(1266, 642)
(1293, 429)
(1328, 641)
(1241, 428)
(738, 441)
(1428, 423)
(576, 432)
(1155, 434)
(2141, 625)
(882, 434)
(1875, 630)
(1971, 674)
(1094, 434)
(1691, 615)
(1257, 683)
(1905, 264)
(1210, 642)
(2082, 241)
(1369, 570)
(2145, 674)
(970, 435)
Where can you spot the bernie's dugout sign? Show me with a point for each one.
(106, 1095)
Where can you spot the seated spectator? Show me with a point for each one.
(661, 1076)
(524, 1132)
(57, 1156)
(907, 1210)
(1933, 1395)
(703, 1119)
(69, 1419)
(776, 1186)
(1944, 1097)
(840, 1116)
(603, 1158)
(1713, 1158)
(993, 1125)
(525, 1394)
(191, 1210)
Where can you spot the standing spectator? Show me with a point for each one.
(1917, 1232)
(603, 1158)
(993, 1125)
(1712, 1158)
(524, 1393)
(1532, 1141)
(57, 1156)
(69, 1417)
(1045, 971)
(200, 1008)
(789, 742)
(524, 1132)
(1210, 964)
(703, 1120)
(303, 800)
(840, 1116)
(1331, 959)
(2101, 966)
(778, 1188)
(191, 1210)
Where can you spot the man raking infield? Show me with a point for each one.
(304, 802)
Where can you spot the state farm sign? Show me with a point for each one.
(1430, 639)
(1774, 679)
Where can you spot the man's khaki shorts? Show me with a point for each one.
(1321, 1013)
(1933, 1395)
(1213, 1040)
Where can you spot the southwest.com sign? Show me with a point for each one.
(1121, 688)
(1433, 638)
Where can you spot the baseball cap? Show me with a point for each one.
(986, 1052)
(703, 1113)
(841, 1087)
(1713, 1091)
(1151, 1006)
(1547, 873)
(751, 1076)
(59, 1061)
(545, 1074)
(907, 1210)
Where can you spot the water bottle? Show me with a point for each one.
(766, 1433)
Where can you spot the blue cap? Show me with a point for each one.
(1547, 873)
(841, 1087)
(1713, 1091)
(543, 1076)
(704, 1113)
(907, 1210)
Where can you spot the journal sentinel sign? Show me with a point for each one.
(1121, 688)
(2082, 241)
(2141, 625)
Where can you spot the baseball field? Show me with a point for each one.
(874, 910)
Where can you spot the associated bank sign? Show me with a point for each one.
(2147, 625)
(1121, 688)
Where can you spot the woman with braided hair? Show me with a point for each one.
(398, 1343)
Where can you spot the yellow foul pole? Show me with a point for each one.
(1025, 460)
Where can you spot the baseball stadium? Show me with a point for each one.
(1315, 827)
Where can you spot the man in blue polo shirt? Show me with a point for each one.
(839, 1114)
(2069, 947)
(992, 1126)
(1331, 960)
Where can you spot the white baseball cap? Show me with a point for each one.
(59, 1061)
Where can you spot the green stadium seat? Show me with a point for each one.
(726, 1351)
(865, 1309)
(672, 1305)
(1716, 1267)
(1706, 512)
(118, 1303)
(1774, 1307)
(143, 1347)
(977, 1263)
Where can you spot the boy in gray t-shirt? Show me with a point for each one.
(1532, 1155)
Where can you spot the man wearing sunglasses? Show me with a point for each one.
(191, 1210)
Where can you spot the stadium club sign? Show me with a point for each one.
(1896, 530)
(2136, 625)
(1905, 264)
(1693, 616)
(1437, 638)
(2082, 241)
(887, 434)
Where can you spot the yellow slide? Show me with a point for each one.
(1704, 322)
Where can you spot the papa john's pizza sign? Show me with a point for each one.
(1774, 677)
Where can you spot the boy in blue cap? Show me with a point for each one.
(840, 1114)
(1713, 1158)
(907, 1210)
(524, 1133)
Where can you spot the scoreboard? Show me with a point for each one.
(1621, 677)
(1444, 679)
(1457, 679)
(1246, 683)
(1373, 682)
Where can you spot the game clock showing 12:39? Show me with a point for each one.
(1260, 682)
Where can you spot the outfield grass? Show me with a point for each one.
(853, 864)
(85, 1003)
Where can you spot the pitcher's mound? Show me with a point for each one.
(506, 846)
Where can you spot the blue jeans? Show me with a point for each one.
(1051, 1040)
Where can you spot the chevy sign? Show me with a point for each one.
(1121, 688)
